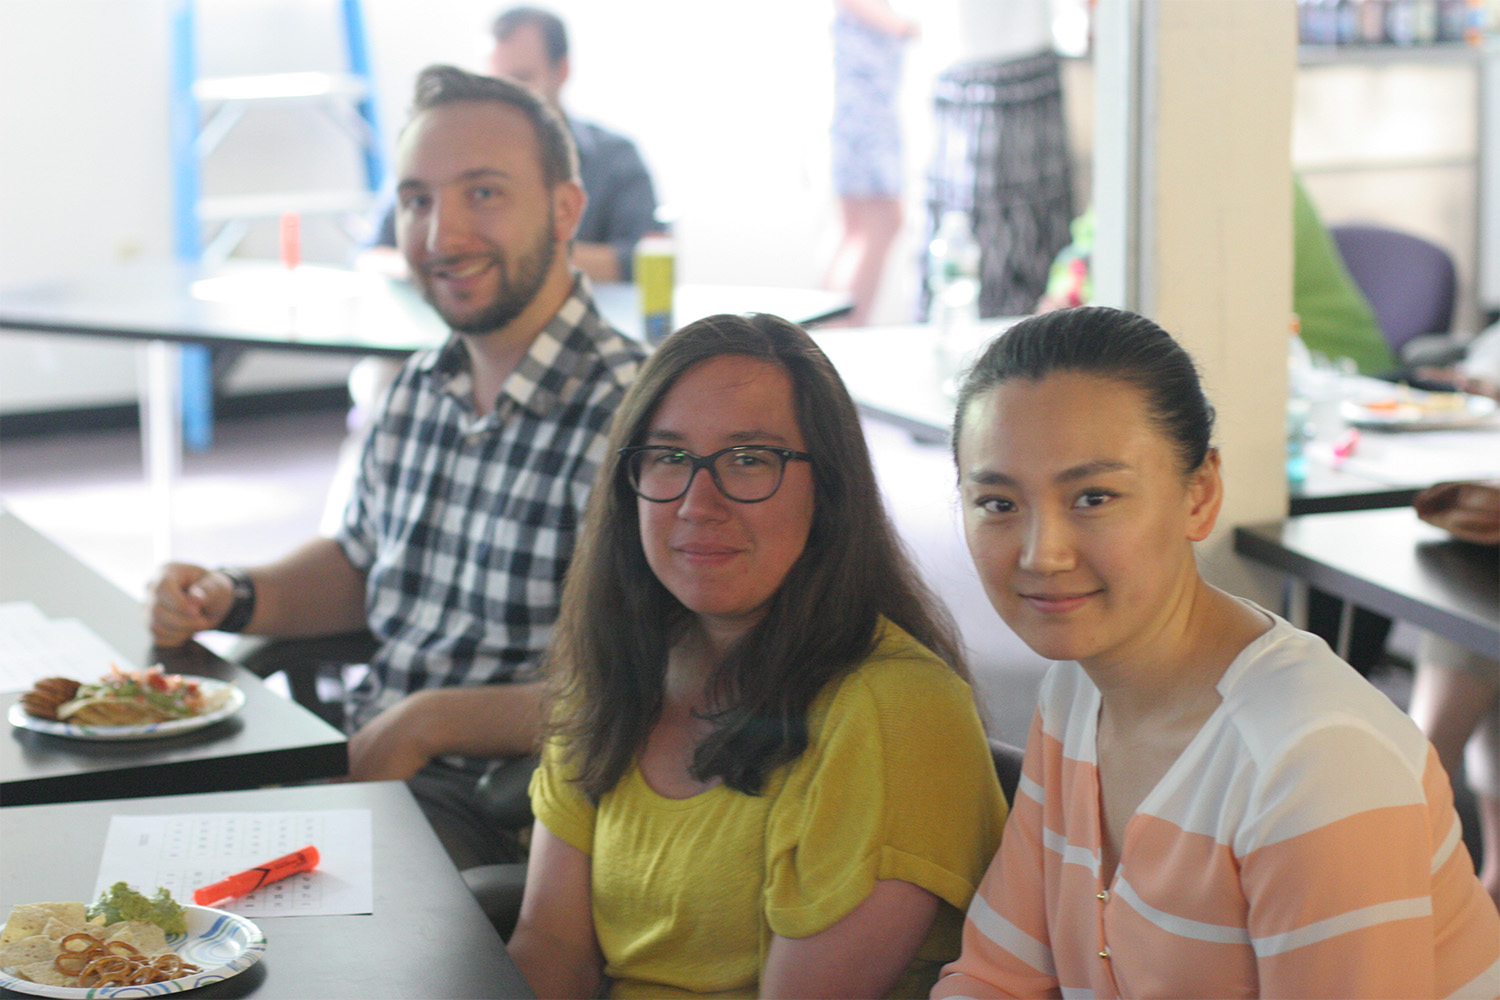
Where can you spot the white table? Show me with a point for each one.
(260, 304)
(899, 375)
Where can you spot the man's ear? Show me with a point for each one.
(568, 200)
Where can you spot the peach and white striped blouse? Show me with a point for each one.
(1303, 845)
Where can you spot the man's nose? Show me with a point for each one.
(447, 225)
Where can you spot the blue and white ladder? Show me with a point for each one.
(203, 111)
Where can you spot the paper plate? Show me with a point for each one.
(224, 944)
(23, 719)
(1419, 411)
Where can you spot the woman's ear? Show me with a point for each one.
(1205, 496)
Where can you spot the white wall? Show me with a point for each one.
(729, 103)
(1221, 252)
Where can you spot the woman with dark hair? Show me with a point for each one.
(1212, 804)
(766, 771)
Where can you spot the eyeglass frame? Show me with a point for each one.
(707, 462)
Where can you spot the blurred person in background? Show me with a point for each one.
(868, 39)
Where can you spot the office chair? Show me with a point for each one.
(1409, 282)
(308, 664)
(1007, 767)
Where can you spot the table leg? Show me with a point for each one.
(1296, 602)
(1346, 631)
(161, 437)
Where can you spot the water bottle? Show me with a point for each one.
(953, 274)
(953, 282)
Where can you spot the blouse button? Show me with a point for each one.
(1103, 894)
(1104, 954)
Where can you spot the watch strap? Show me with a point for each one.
(242, 608)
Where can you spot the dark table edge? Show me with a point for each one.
(329, 760)
(217, 340)
(1396, 496)
(1262, 543)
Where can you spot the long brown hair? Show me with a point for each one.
(608, 658)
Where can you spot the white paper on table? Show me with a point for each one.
(1420, 458)
(186, 851)
(33, 646)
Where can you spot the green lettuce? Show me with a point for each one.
(121, 902)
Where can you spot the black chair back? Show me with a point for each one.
(1007, 767)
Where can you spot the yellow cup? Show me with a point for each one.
(655, 277)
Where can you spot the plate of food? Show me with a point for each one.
(124, 945)
(126, 705)
(1407, 409)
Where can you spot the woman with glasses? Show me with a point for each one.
(1213, 804)
(766, 773)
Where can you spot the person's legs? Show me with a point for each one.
(1455, 701)
(867, 177)
(870, 227)
(1482, 767)
(1446, 704)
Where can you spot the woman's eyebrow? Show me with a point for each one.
(1093, 468)
(990, 477)
(664, 436)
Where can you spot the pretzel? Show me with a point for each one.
(116, 963)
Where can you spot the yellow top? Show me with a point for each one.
(897, 782)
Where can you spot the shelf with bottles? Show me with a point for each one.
(1395, 28)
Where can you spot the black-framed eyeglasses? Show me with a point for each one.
(745, 473)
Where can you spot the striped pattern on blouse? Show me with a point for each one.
(1304, 844)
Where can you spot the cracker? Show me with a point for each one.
(146, 937)
(45, 973)
(30, 918)
(28, 949)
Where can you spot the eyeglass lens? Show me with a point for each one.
(743, 474)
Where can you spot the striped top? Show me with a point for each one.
(1304, 844)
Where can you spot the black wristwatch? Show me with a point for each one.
(243, 606)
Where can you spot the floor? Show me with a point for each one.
(264, 485)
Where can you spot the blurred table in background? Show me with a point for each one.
(899, 375)
(1386, 467)
(261, 304)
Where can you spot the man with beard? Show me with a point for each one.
(473, 480)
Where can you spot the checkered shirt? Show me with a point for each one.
(464, 525)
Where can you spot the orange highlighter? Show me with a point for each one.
(253, 878)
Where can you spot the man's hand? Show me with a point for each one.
(393, 746)
(184, 600)
(484, 720)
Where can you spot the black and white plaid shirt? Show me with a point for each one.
(463, 524)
